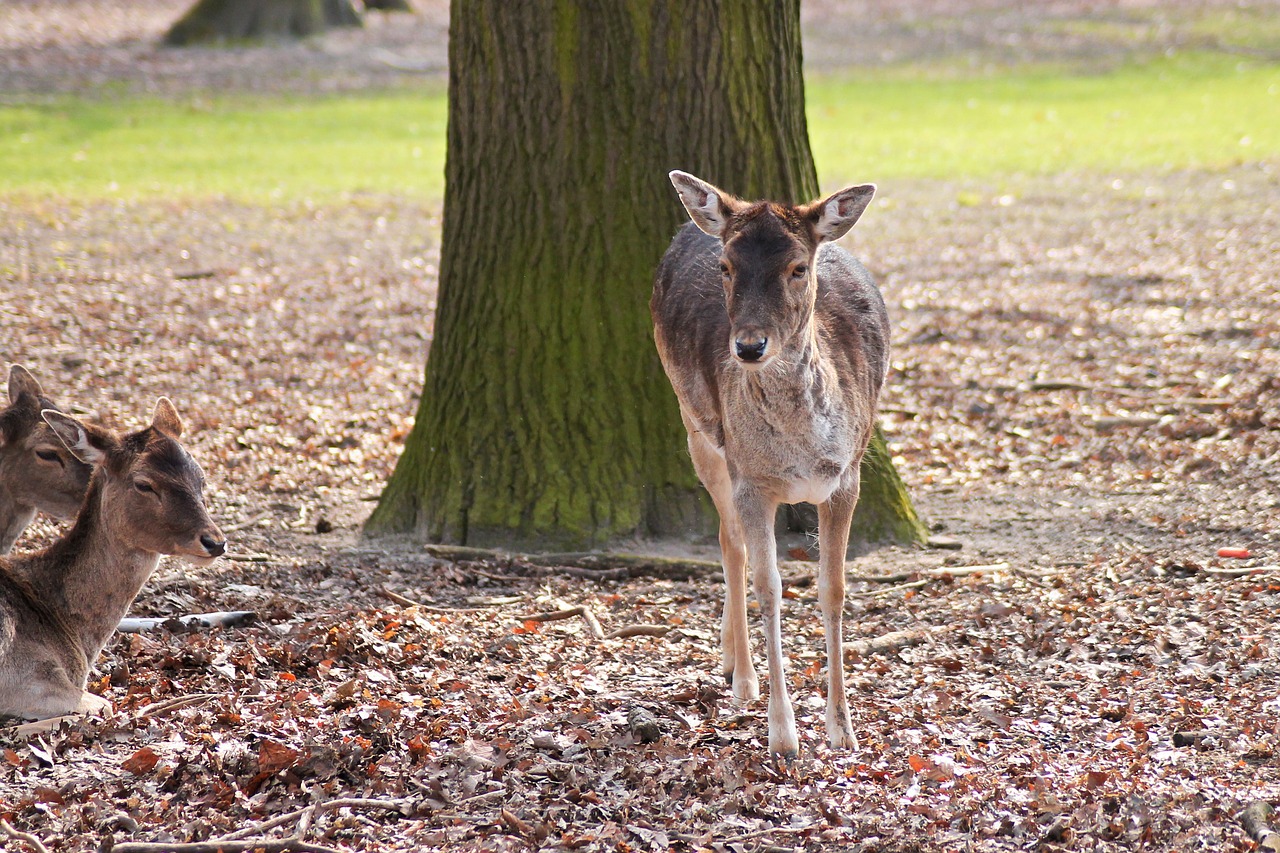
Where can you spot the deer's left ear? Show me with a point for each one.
(165, 418)
(833, 216)
(89, 444)
(22, 383)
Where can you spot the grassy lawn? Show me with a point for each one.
(1193, 110)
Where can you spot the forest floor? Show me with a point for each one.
(1085, 394)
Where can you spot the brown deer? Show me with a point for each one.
(58, 607)
(776, 343)
(36, 470)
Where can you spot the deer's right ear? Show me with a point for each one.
(87, 443)
(708, 206)
(22, 382)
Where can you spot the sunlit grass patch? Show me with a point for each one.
(1194, 111)
(249, 147)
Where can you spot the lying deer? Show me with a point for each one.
(36, 470)
(58, 607)
(776, 343)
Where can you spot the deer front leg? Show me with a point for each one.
(735, 645)
(834, 517)
(756, 515)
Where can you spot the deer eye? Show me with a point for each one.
(800, 272)
(724, 269)
(144, 487)
(49, 455)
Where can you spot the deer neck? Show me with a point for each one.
(14, 517)
(91, 576)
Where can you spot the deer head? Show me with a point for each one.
(767, 260)
(152, 491)
(36, 471)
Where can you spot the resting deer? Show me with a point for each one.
(776, 343)
(58, 607)
(36, 471)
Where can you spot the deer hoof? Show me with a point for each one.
(746, 688)
(91, 704)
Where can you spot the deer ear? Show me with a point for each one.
(87, 443)
(708, 206)
(22, 382)
(833, 216)
(165, 418)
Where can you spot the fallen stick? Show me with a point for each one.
(155, 709)
(639, 631)
(250, 838)
(246, 558)
(593, 624)
(433, 608)
(1256, 820)
(39, 727)
(1240, 573)
(894, 640)
(256, 830)
(266, 845)
(890, 590)
(954, 571)
(220, 619)
(25, 837)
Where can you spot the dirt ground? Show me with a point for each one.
(1085, 394)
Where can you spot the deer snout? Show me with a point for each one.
(750, 347)
(214, 546)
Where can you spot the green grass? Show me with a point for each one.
(247, 147)
(1191, 111)
(1194, 111)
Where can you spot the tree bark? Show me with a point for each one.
(546, 421)
(222, 20)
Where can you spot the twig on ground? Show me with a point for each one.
(954, 571)
(1242, 572)
(266, 845)
(1256, 820)
(639, 631)
(252, 835)
(220, 619)
(890, 590)
(246, 558)
(433, 608)
(593, 624)
(895, 640)
(157, 708)
(25, 837)
(747, 836)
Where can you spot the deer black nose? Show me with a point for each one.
(751, 350)
(215, 547)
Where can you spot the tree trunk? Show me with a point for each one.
(546, 420)
(222, 20)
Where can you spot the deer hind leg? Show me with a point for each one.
(834, 517)
(735, 645)
(756, 514)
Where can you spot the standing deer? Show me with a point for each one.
(36, 471)
(58, 607)
(776, 343)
